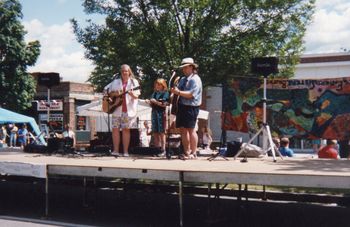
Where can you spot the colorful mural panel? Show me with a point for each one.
(298, 108)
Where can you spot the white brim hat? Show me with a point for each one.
(188, 61)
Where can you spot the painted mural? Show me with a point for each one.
(299, 108)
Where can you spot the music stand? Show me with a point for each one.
(264, 66)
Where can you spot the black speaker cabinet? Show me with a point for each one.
(49, 79)
(55, 145)
(34, 148)
(232, 148)
(265, 65)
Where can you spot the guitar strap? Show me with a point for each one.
(133, 83)
(132, 87)
(124, 95)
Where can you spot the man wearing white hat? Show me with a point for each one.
(189, 91)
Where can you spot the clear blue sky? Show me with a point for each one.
(52, 11)
(49, 22)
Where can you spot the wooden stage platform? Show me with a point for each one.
(304, 172)
(295, 172)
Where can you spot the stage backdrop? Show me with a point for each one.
(303, 108)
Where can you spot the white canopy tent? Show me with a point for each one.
(94, 109)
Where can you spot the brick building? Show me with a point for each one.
(64, 98)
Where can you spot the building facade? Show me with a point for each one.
(60, 102)
(312, 66)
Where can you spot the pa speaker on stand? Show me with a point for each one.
(264, 66)
(48, 79)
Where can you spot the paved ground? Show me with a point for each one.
(113, 207)
(10, 221)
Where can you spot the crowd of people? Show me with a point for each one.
(329, 148)
(14, 136)
(11, 136)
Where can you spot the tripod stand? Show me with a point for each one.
(265, 129)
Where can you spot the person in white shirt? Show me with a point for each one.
(13, 134)
(68, 133)
(145, 135)
(124, 116)
(206, 137)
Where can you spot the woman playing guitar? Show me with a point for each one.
(124, 118)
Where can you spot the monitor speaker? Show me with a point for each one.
(49, 79)
(265, 65)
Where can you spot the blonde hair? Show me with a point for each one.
(162, 82)
(131, 74)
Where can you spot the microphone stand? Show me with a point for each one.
(110, 136)
(167, 151)
(109, 139)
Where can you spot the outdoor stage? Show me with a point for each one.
(296, 172)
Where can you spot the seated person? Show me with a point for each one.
(22, 136)
(206, 137)
(284, 148)
(329, 151)
(68, 134)
(145, 135)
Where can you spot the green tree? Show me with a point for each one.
(222, 36)
(17, 87)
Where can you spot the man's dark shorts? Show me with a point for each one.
(186, 116)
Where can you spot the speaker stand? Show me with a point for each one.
(265, 129)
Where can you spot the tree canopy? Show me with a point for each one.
(152, 36)
(17, 87)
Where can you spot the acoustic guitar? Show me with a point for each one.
(112, 100)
